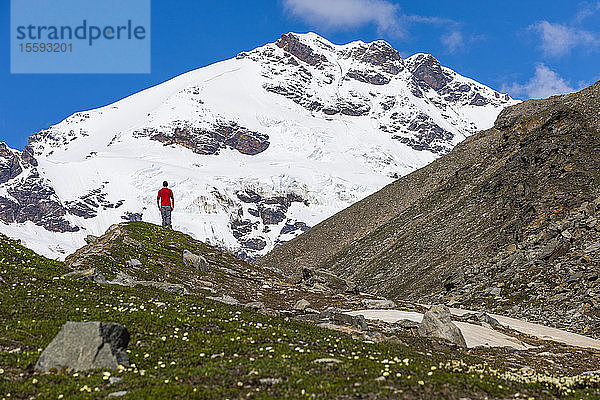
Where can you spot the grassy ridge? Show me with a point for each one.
(188, 347)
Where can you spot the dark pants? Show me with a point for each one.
(165, 212)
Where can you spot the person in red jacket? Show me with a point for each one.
(166, 204)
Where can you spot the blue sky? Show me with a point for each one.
(525, 48)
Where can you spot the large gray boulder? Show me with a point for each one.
(195, 261)
(437, 323)
(80, 346)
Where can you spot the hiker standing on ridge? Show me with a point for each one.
(166, 204)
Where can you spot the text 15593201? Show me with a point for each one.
(46, 47)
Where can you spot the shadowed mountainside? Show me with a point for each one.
(507, 220)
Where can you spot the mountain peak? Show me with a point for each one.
(257, 148)
(305, 47)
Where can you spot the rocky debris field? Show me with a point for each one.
(551, 277)
(506, 223)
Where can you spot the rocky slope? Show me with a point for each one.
(508, 221)
(257, 148)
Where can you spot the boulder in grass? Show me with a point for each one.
(437, 323)
(225, 299)
(81, 346)
(126, 280)
(88, 275)
(193, 260)
(134, 262)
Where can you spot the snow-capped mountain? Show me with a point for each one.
(257, 148)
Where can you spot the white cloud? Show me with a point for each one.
(559, 39)
(348, 13)
(586, 11)
(452, 41)
(544, 83)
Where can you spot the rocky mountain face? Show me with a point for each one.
(257, 148)
(508, 221)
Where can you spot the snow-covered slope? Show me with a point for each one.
(256, 149)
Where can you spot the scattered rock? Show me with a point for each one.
(406, 324)
(134, 262)
(335, 316)
(255, 305)
(126, 280)
(88, 275)
(378, 304)
(89, 239)
(321, 279)
(454, 280)
(193, 260)
(301, 305)
(327, 361)
(270, 381)
(592, 248)
(81, 346)
(437, 323)
(117, 394)
(225, 299)
(590, 373)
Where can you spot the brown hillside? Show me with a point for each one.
(526, 190)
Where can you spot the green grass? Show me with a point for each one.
(160, 252)
(188, 347)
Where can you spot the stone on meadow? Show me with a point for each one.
(81, 346)
(134, 262)
(88, 275)
(193, 260)
(225, 299)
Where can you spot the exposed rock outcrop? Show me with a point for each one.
(210, 141)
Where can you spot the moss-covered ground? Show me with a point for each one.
(188, 347)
